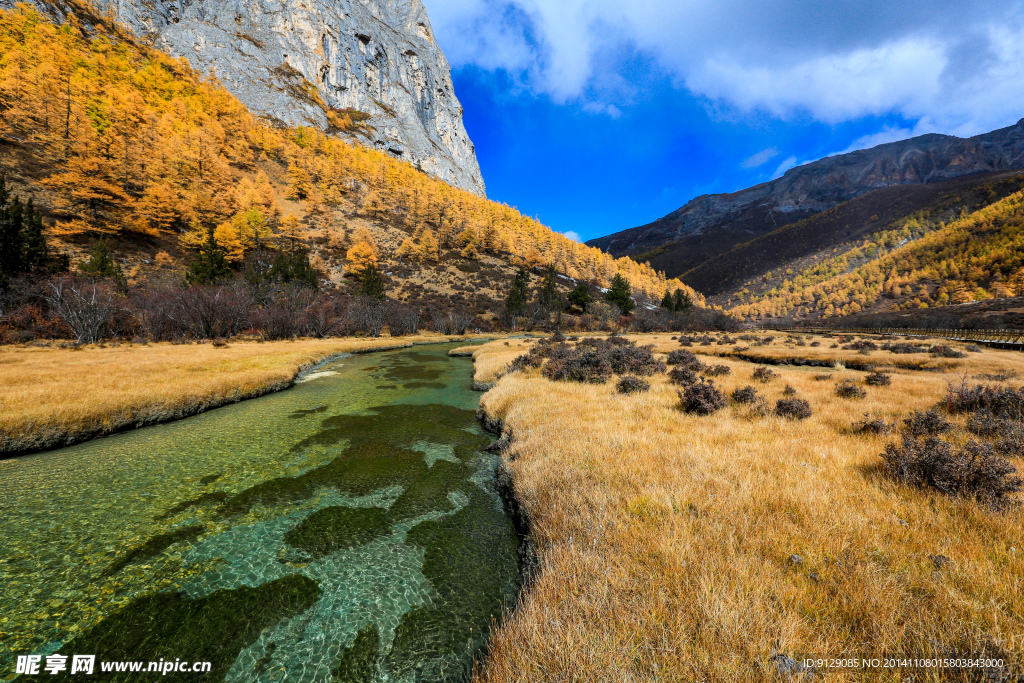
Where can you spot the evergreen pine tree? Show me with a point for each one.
(581, 296)
(101, 263)
(301, 270)
(36, 255)
(210, 266)
(515, 302)
(620, 294)
(667, 302)
(281, 270)
(548, 295)
(682, 301)
(258, 272)
(11, 236)
(373, 283)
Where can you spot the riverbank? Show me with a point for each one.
(731, 546)
(52, 397)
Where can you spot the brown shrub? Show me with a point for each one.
(871, 425)
(745, 395)
(793, 408)
(1004, 402)
(682, 375)
(974, 470)
(902, 348)
(789, 391)
(684, 359)
(945, 351)
(763, 373)
(849, 389)
(878, 379)
(985, 424)
(716, 370)
(702, 398)
(630, 385)
(927, 423)
(589, 366)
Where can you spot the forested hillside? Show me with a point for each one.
(807, 242)
(920, 262)
(113, 139)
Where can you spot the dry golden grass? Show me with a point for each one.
(51, 397)
(665, 539)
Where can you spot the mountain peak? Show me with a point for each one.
(819, 185)
(301, 62)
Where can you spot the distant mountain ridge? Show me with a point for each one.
(812, 188)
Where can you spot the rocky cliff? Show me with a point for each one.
(815, 187)
(297, 60)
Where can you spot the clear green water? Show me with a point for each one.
(346, 529)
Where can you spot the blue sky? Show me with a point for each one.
(599, 115)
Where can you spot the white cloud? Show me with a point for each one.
(602, 108)
(573, 235)
(789, 163)
(759, 159)
(888, 134)
(959, 66)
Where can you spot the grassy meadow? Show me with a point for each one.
(52, 396)
(683, 547)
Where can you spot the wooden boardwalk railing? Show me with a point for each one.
(1012, 338)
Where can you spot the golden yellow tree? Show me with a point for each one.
(360, 256)
(429, 247)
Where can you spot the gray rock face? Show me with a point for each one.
(374, 56)
(818, 186)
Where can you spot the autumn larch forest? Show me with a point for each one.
(148, 179)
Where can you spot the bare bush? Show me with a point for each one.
(588, 365)
(644, 320)
(279, 320)
(793, 408)
(368, 315)
(716, 370)
(903, 348)
(974, 470)
(631, 385)
(946, 351)
(684, 358)
(926, 423)
(454, 322)
(849, 389)
(682, 375)
(702, 398)
(744, 396)
(197, 312)
(763, 373)
(864, 345)
(89, 308)
(1004, 402)
(789, 391)
(325, 318)
(870, 425)
(625, 357)
(402, 320)
(1011, 440)
(878, 379)
(985, 424)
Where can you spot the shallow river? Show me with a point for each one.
(344, 530)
